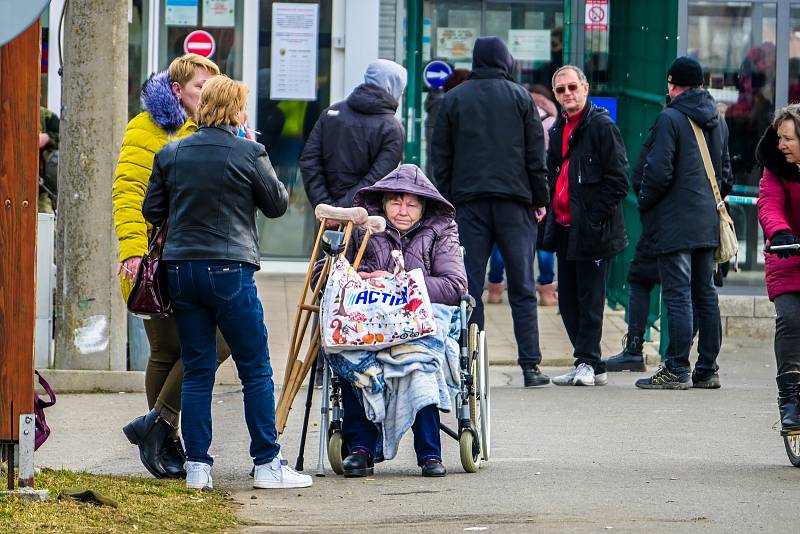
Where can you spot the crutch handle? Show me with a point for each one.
(357, 216)
(375, 224)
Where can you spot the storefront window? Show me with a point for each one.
(138, 40)
(794, 56)
(735, 43)
(287, 113)
(45, 70)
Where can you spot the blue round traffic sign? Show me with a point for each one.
(436, 73)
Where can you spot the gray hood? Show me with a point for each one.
(387, 75)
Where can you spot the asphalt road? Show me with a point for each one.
(610, 458)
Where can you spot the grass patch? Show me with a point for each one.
(145, 505)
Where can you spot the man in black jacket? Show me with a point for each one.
(679, 212)
(588, 172)
(487, 150)
(357, 141)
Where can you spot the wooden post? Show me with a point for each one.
(19, 189)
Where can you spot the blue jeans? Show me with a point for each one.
(206, 295)
(360, 432)
(546, 263)
(687, 288)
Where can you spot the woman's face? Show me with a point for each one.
(189, 94)
(788, 143)
(403, 212)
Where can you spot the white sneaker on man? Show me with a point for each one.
(278, 475)
(567, 379)
(198, 476)
(585, 376)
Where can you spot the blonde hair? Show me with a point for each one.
(221, 100)
(182, 69)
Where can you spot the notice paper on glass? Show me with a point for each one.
(181, 13)
(455, 43)
(219, 13)
(529, 45)
(294, 51)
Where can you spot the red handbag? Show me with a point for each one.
(149, 296)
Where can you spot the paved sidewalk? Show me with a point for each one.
(281, 293)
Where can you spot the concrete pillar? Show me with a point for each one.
(90, 313)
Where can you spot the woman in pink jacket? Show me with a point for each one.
(779, 214)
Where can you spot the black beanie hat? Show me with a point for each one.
(686, 72)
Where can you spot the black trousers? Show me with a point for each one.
(787, 333)
(581, 301)
(512, 226)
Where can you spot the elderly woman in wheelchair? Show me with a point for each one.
(393, 387)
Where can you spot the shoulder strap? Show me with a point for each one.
(701, 143)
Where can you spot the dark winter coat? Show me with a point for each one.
(354, 144)
(488, 140)
(208, 186)
(675, 199)
(778, 210)
(431, 245)
(598, 181)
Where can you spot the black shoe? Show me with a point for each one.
(789, 401)
(149, 432)
(533, 377)
(631, 358)
(705, 380)
(172, 457)
(433, 468)
(358, 464)
(664, 379)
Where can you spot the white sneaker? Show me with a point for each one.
(278, 475)
(585, 376)
(198, 476)
(566, 379)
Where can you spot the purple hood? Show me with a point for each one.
(406, 178)
(162, 104)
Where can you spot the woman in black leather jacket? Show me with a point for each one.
(207, 187)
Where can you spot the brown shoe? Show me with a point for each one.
(495, 292)
(548, 296)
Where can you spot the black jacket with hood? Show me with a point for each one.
(355, 143)
(598, 181)
(675, 199)
(488, 140)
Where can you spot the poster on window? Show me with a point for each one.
(455, 43)
(181, 13)
(219, 13)
(529, 45)
(294, 51)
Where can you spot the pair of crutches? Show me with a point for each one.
(334, 244)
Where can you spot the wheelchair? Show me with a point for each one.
(472, 403)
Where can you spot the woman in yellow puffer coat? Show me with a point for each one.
(169, 99)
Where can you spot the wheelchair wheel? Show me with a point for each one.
(484, 400)
(792, 444)
(470, 460)
(337, 452)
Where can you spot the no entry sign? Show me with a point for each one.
(199, 42)
(596, 15)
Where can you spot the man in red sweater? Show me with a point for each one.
(588, 175)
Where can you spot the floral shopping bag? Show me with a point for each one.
(375, 313)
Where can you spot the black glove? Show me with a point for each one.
(784, 237)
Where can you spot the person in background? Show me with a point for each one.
(488, 159)
(589, 178)
(779, 214)
(169, 100)
(357, 141)
(208, 187)
(48, 160)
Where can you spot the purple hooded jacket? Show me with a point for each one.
(431, 245)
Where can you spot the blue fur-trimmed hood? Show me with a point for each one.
(161, 103)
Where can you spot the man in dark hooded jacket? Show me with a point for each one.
(679, 215)
(357, 141)
(488, 159)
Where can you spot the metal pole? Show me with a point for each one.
(412, 107)
(323, 425)
(309, 397)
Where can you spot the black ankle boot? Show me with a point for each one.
(789, 400)
(149, 432)
(631, 358)
(172, 457)
(358, 464)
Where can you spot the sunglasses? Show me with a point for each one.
(561, 89)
